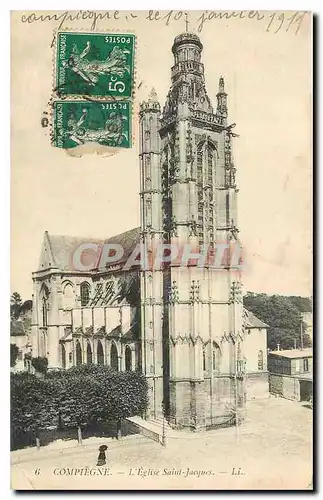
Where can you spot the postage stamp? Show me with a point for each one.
(95, 64)
(80, 122)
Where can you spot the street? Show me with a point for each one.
(272, 449)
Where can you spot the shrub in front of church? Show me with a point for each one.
(30, 408)
(40, 364)
(76, 398)
(94, 393)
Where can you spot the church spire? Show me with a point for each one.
(152, 104)
(222, 103)
(153, 95)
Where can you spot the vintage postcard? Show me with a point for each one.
(161, 333)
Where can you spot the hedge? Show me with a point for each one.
(73, 398)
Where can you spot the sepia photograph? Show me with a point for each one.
(161, 302)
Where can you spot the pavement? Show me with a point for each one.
(272, 449)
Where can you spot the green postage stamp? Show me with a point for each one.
(95, 64)
(80, 122)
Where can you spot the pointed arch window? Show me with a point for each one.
(44, 311)
(68, 294)
(85, 293)
(44, 294)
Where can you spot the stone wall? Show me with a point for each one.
(202, 404)
(285, 386)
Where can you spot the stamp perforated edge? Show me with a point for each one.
(76, 97)
(53, 98)
(96, 101)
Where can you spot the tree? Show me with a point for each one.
(30, 408)
(282, 315)
(40, 364)
(15, 305)
(14, 351)
(77, 397)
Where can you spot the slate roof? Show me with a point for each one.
(294, 353)
(252, 321)
(128, 240)
(62, 247)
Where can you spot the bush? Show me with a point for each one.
(14, 351)
(76, 397)
(40, 364)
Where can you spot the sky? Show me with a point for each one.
(267, 71)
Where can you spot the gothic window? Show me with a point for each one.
(205, 163)
(44, 293)
(68, 296)
(85, 294)
(260, 360)
(204, 359)
(147, 135)
(44, 311)
(114, 357)
(78, 353)
(88, 354)
(99, 353)
(128, 359)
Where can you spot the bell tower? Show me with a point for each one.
(195, 204)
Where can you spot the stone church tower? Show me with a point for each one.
(191, 313)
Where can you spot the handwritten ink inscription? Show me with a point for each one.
(272, 22)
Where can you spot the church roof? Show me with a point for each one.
(57, 251)
(185, 38)
(128, 240)
(252, 321)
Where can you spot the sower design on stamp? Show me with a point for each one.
(95, 64)
(79, 122)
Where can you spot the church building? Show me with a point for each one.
(183, 326)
